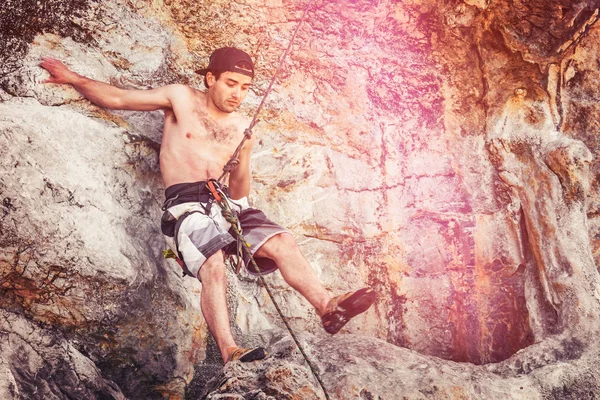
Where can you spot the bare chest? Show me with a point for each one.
(199, 129)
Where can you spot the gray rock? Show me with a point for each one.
(36, 363)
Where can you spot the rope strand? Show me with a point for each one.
(255, 120)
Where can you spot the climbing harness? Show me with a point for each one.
(219, 196)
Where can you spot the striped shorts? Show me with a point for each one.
(201, 234)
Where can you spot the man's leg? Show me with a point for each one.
(213, 301)
(295, 269)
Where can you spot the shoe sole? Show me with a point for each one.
(357, 303)
(256, 354)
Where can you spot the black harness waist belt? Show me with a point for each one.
(186, 193)
(189, 192)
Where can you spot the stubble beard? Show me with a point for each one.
(223, 106)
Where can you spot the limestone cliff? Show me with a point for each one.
(443, 152)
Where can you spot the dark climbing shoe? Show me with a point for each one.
(247, 355)
(342, 309)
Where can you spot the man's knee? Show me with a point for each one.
(213, 269)
(278, 244)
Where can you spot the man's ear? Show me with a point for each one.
(210, 79)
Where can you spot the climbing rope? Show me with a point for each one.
(234, 160)
(231, 216)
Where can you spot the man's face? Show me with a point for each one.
(229, 91)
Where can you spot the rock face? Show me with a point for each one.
(444, 153)
(384, 371)
(40, 364)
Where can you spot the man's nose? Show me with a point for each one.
(237, 92)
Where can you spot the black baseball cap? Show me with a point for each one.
(226, 59)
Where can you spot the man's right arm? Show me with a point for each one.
(110, 96)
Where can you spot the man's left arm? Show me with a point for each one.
(239, 179)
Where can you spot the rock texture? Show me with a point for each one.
(39, 364)
(557, 369)
(445, 153)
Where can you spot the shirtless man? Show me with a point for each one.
(201, 131)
